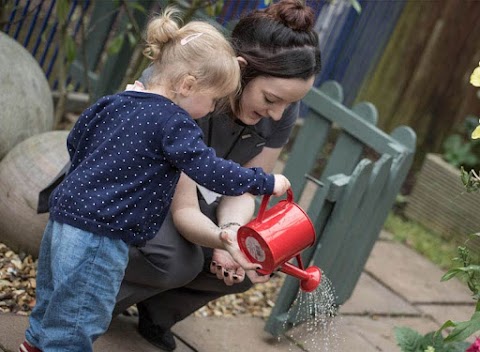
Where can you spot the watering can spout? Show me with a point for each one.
(309, 278)
(315, 277)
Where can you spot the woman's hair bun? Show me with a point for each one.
(293, 14)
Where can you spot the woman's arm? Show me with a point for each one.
(189, 219)
(240, 209)
(198, 228)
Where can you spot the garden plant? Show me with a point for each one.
(467, 267)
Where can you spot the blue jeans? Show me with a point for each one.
(78, 278)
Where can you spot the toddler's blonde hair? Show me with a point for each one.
(196, 49)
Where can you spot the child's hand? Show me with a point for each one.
(281, 185)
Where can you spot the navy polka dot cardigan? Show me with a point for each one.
(127, 151)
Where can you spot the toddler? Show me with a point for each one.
(127, 152)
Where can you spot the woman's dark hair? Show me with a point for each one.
(278, 41)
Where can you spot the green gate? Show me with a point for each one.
(363, 170)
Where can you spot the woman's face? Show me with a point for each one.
(268, 97)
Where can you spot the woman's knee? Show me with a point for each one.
(163, 269)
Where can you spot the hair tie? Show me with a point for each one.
(190, 37)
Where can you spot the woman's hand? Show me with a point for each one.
(225, 268)
(231, 265)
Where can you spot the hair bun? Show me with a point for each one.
(293, 14)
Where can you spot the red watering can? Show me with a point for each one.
(277, 235)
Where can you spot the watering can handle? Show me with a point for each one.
(265, 200)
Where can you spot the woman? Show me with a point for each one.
(172, 276)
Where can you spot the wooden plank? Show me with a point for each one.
(365, 44)
(348, 149)
(390, 77)
(358, 128)
(332, 238)
(309, 141)
(382, 200)
(311, 138)
(398, 172)
(349, 264)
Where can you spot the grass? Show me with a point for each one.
(424, 241)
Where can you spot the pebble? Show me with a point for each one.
(256, 302)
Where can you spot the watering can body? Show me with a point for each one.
(277, 235)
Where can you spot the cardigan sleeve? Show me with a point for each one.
(184, 148)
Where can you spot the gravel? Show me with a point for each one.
(17, 290)
(17, 281)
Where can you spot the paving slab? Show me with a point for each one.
(441, 313)
(412, 276)
(355, 333)
(386, 236)
(122, 336)
(235, 334)
(12, 331)
(371, 297)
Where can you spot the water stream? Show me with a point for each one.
(315, 320)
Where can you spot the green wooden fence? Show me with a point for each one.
(362, 176)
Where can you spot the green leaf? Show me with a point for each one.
(62, 10)
(472, 268)
(447, 324)
(451, 273)
(465, 177)
(70, 49)
(210, 10)
(132, 40)
(408, 339)
(463, 330)
(136, 6)
(219, 7)
(457, 346)
(467, 269)
(432, 339)
(116, 44)
(356, 6)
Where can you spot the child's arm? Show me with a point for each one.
(184, 147)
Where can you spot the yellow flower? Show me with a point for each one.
(475, 77)
(476, 132)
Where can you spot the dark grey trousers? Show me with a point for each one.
(169, 277)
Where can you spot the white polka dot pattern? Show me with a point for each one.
(127, 151)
